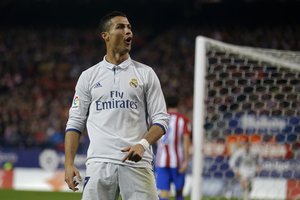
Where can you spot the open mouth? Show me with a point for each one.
(128, 40)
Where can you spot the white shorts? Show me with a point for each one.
(247, 173)
(105, 181)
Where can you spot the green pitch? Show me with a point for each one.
(34, 195)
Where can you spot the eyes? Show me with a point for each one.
(123, 26)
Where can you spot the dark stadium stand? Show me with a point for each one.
(42, 55)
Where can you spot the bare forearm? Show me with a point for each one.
(154, 134)
(136, 152)
(186, 146)
(71, 146)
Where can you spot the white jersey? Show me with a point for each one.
(245, 162)
(118, 104)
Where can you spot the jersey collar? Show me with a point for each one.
(122, 65)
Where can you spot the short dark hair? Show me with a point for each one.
(172, 101)
(104, 22)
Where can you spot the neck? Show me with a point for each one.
(116, 58)
(172, 110)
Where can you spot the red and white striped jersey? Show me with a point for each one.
(170, 147)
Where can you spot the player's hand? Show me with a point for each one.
(135, 153)
(183, 167)
(72, 177)
(237, 173)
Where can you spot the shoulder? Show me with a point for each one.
(87, 76)
(183, 116)
(240, 151)
(91, 70)
(145, 72)
(141, 66)
(180, 116)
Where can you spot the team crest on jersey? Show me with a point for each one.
(133, 83)
(75, 103)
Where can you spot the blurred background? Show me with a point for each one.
(46, 44)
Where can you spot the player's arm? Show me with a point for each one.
(154, 134)
(136, 152)
(233, 161)
(71, 146)
(75, 126)
(258, 163)
(157, 111)
(186, 146)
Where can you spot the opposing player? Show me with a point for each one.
(173, 152)
(245, 165)
(121, 103)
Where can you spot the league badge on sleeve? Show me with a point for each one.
(75, 103)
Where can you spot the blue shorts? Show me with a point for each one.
(165, 176)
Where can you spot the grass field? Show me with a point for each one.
(34, 195)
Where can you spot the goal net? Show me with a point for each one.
(245, 95)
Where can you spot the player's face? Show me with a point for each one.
(120, 35)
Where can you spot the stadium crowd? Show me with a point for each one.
(39, 69)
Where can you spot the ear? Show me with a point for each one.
(105, 36)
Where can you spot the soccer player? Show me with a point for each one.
(245, 165)
(172, 155)
(122, 105)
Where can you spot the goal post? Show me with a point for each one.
(198, 116)
(244, 92)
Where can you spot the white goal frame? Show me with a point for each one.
(290, 59)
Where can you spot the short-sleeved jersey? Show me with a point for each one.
(170, 147)
(118, 104)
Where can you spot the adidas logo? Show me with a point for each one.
(98, 84)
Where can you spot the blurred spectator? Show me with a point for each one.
(39, 67)
(245, 164)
